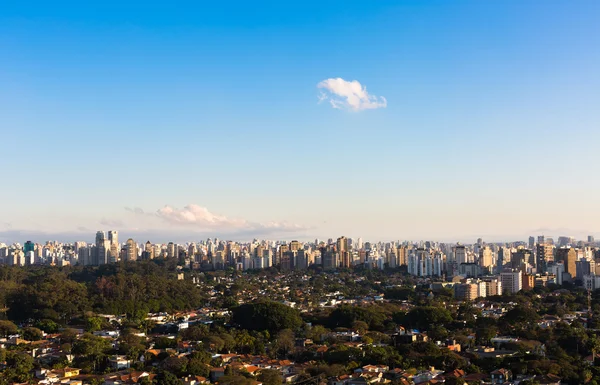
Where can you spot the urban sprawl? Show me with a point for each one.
(333, 312)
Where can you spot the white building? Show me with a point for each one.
(512, 282)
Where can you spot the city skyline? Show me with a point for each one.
(448, 121)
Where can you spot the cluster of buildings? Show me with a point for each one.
(498, 267)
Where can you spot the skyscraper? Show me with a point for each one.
(569, 256)
(113, 238)
(545, 256)
(342, 244)
(101, 252)
(132, 252)
(460, 254)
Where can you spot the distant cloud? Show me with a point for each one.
(111, 223)
(135, 210)
(197, 216)
(349, 95)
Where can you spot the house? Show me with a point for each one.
(119, 362)
(500, 376)
(216, 373)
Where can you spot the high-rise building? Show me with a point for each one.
(512, 282)
(466, 291)
(486, 259)
(401, 254)
(171, 250)
(569, 256)
(28, 247)
(531, 242)
(591, 239)
(585, 267)
(342, 244)
(295, 246)
(131, 248)
(521, 259)
(460, 254)
(113, 238)
(504, 257)
(493, 287)
(544, 256)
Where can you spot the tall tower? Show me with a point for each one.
(102, 250)
(132, 252)
(113, 238)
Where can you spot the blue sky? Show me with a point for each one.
(203, 118)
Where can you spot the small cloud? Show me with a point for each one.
(194, 215)
(135, 210)
(349, 95)
(111, 223)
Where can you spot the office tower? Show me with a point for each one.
(192, 250)
(302, 262)
(84, 256)
(28, 247)
(148, 251)
(545, 256)
(287, 260)
(295, 246)
(591, 239)
(460, 254)
(466, 291)
(131, 248)
(585, 267)
(531, 242)
(504, 257)
(486, 258)
(282, 250)
(359, 243)
(101, 253)
(493, 287)
(512, 282)
(541, 239)
(328, 258)
(558, 269)
(171, 250)
(342, 244)
(521, 259)
(569, 257)
(401, 254)
(100, 237)
(113, 238)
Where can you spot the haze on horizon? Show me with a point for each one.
(281, 120)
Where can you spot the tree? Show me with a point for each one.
(284, 342)
(234, 380)
(47, 325)
(266, 315)
(8, 328)
(93, 324)
(270, 377)
(32, 334)
(167, 378)
(360, 326)
(20, 366)
(92, 348)
(174, 365)
(427, 317)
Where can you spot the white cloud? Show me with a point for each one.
(200, 217)
(348, 95)
(196, 215)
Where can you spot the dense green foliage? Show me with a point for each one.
(266, 315)
(53, 296)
